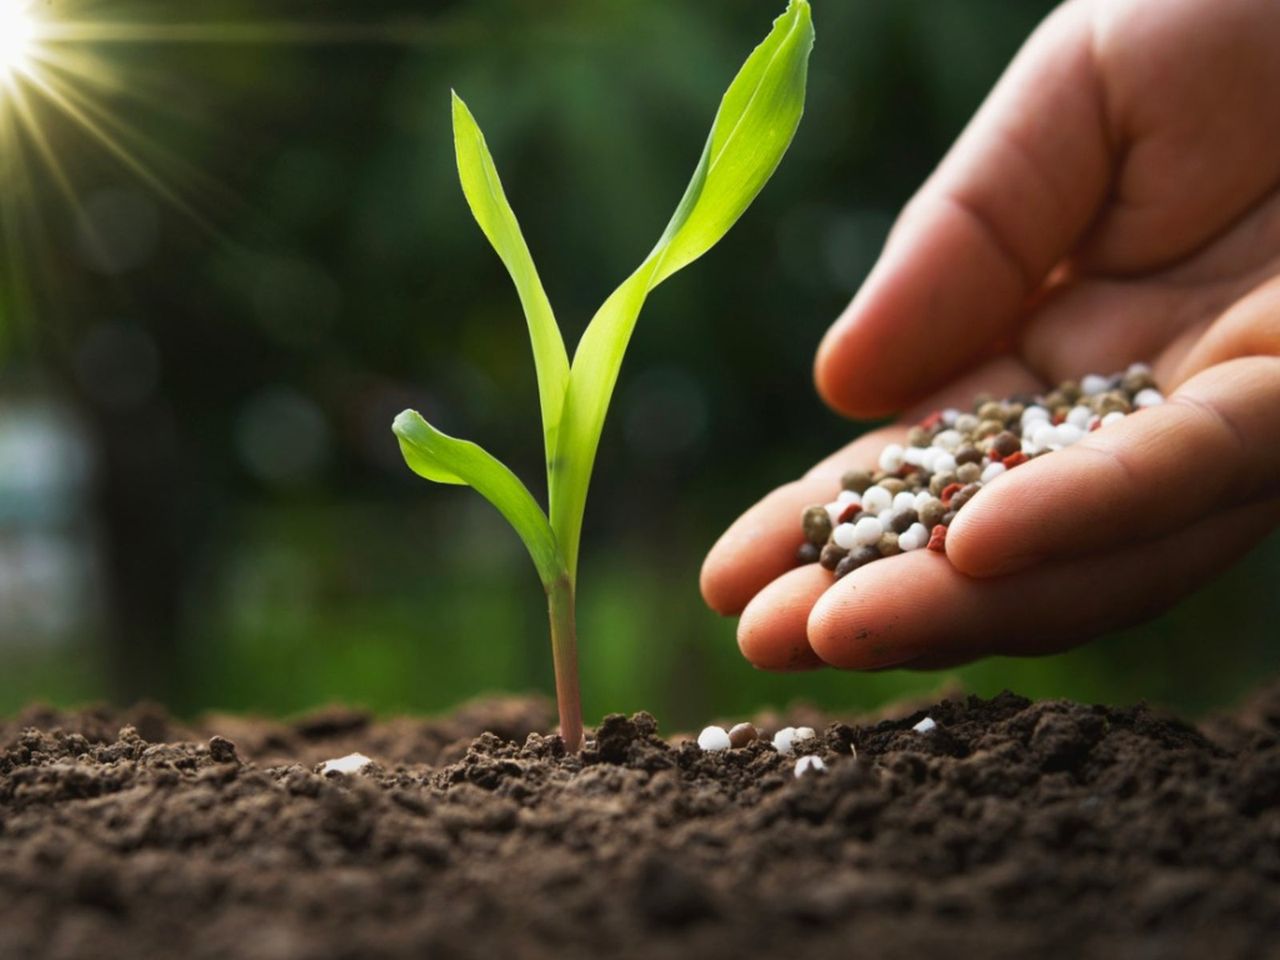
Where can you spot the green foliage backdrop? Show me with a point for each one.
(257, 542)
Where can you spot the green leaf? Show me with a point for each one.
(441, 458)
(488, 202)
(752, 130)
(754, 126)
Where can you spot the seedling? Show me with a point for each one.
(752, 130)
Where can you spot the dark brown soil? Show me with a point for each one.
(1015, 829)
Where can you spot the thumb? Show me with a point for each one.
(1011, 199)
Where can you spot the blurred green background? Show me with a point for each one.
(200, 498)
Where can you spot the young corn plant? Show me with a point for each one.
(752, 130)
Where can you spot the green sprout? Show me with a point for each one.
(752, 130)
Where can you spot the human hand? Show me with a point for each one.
(1116, 199)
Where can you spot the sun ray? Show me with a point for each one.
(35, 133)
(65, 70)
(22, 232)
(88, 81)
(410, 32)
(65, 98)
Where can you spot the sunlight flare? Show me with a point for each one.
(18, 30)
(58, 68)
(73, 84)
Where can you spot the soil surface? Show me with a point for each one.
(1013, 829)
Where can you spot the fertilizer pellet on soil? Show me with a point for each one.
(786, 739)
(742, 733)
(810, 764)
(351, 763)
(714, 738)
(909, 502)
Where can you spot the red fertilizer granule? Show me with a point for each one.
(938, 539)
(949, 491)
(849, 512)
(1015, 460)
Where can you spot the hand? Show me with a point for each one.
(1116, 199)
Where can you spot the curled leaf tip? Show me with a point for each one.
(404, 421)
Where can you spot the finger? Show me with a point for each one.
(761, 545)
(1216, 442)
(1250, 327)
(772, 634)
(917, 609)
(1197, 153)
(1011, 199)
(1098, 324)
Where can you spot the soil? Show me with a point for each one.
(1014, 829)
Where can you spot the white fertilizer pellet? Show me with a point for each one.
(785, 740)
(1093, 384)
(992, 470)
(925, 726)
(915, 537)
(1069, 433)
(351, 763)
(1044, 435)
(904, 501)
(866, 531)
(809, 765)
(891, 458)
(876, 499)
(948, 440)
(1079, 417)
(844, 536)
(714, 738)
(1034, 415)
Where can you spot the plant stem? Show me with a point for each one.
(564, 649)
